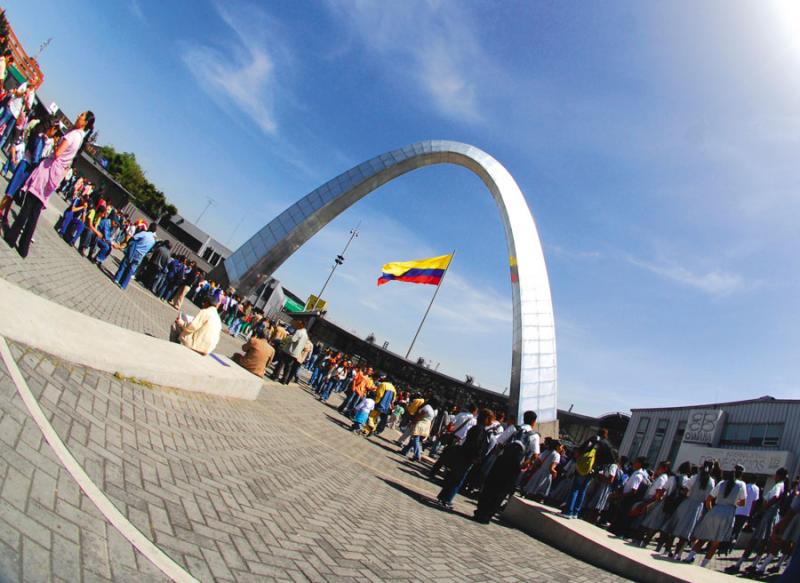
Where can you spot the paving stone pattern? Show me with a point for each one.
(49, 530)
(57, 272)
(272, 490)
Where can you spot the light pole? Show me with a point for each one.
(336, 263)
(211, 202)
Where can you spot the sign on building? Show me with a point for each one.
(755, 461)
(314, 303)
(704, 426)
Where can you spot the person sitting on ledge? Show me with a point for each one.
(200, 333)
(257, 355)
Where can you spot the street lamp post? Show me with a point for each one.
(336, 263)
(210, 202)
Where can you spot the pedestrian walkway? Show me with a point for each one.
(82, 339)
(56, 272)
(231, 490)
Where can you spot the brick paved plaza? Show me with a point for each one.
(271, 490)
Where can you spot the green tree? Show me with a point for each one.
(126, 170)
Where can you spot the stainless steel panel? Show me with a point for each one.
(533, 381)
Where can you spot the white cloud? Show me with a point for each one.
(713, 283)
(242, 74)
(432, 44)
(577, 255)
(136, 10)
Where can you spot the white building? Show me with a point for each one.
(761, 434)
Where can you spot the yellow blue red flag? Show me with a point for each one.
(428, 271)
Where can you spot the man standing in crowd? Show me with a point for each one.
(291, 351)
(385, 396)
(518, 449)
(138, 247)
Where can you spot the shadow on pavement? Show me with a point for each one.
(422, 498)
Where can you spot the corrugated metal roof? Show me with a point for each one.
(765, 399)
(193, 230)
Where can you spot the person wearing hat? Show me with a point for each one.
(717, 525)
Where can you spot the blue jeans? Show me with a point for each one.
(126, 270)
(577, 494)
(66, 220)
(21, 173)
(10, 121)
(316, 374)
(326, 390)
(163, 285)
(351, 402)
(311, 361)
(235, 326)
(166, 288)
(87, 241)
(447, 495)
(158, 282)
(319, 383)
(416, 443)
(79, 227)
(105, 251)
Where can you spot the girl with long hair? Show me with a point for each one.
(717, 525)
(682, 522)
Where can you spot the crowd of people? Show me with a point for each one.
(490, 456)
(483, 453)
(39, 158)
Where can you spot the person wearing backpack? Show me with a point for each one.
(452, 438)
(605, 472)
(517, 450)
(662, 489)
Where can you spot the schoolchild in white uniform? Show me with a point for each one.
(717, 525)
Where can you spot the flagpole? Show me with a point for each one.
(429, 305)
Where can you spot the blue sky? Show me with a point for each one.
(657, 146)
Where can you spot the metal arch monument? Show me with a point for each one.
(533, 360)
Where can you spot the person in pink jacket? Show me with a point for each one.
(42, 183)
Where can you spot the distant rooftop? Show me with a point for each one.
(766, 399)
(199, 234)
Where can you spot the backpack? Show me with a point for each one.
(585, 462)
(519, 444)
(672, 501)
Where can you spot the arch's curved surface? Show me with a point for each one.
(533, 361)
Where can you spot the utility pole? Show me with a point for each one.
(236, 228)
(210, 202)
(336, 263)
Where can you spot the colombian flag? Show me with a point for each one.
(422, 271)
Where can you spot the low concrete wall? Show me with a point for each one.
(596, 546)
(80, 339)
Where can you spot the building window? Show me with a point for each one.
(752, 434)
(658, 441)
(638, 437)
(676, 441)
